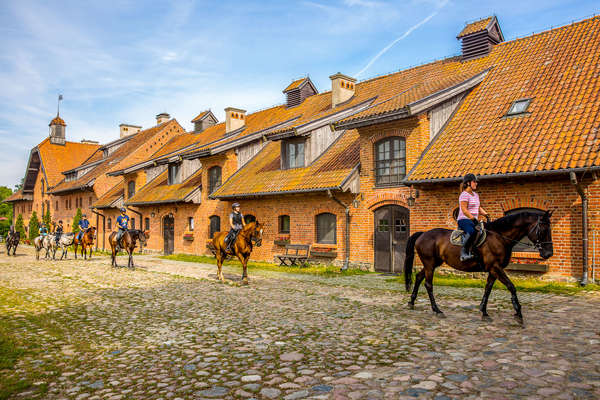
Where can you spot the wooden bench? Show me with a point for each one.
(294, 253)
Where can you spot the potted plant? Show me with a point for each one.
(282, 240)
(189, 236)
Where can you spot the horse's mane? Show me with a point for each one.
(508, 221)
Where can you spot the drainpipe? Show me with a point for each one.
(141, 225)
(584, 225)
(347, 233)
(103, 228)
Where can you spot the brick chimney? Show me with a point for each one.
(342, 89)
(127, 129)
(162, 117)
(235, 118)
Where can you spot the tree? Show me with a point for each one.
(47, 219)
(19, 186)
(76, 218)
(20, 226)
(34, 226)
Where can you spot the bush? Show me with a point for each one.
(76, 218)
(34, 226)
(20, 226)
(47, 219)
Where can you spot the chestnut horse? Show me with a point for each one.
(242, 247)
(128, 243)
(434, 248)
(87, 240)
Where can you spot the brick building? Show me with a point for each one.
(355, 170)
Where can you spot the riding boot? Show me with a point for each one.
(466, 252)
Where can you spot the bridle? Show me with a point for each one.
(537, 245)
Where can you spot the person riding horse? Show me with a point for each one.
(468, 214)
(43, 231)
(236, 223)
(122, 223)
(84, 224)
(58, 231)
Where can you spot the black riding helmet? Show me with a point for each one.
(234, 205)
(470, 178)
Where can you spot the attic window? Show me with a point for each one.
(519, 107)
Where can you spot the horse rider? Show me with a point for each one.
(122, 223)
(236, 223)
(43, 231)
(84, 224)
(58, 231)
(468, 213)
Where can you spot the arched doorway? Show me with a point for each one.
(169, 234)
(392, 226)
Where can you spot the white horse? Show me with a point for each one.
(42, 242)
(65, 240)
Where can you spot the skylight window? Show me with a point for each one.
(519, 107)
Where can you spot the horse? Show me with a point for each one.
(242, 247)
(12, 241)
(434, 248)
(41, 242)
(64, 241)
(129, 240)
(87, 240)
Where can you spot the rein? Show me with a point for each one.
(537, 245)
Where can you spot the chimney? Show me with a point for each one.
(127, 129)
(57, 130)
(204, 120)
(342, 89)
(162, 117)
(479, 37)
(235, 118)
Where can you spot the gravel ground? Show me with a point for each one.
(169, 330)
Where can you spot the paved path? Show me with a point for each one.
(169, 331)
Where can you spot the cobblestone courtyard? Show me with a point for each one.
(168, 330)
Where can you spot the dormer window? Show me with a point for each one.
(71, 176)
(519, 107)
(292, 154)
(173, 178)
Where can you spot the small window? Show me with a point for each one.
(191, 223)
(90, 201)
(56, 206)
(130, 189)
(293, 154)
(519, 107)
(42, 188)
(326, 228)
(109, 223)
(214, 178)
(173, 174)
(390, 161)
(524, 239)
(147, 224)
(215, 225)
(284, 224)
(132, 223)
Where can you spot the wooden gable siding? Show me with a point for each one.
(245, 153)
(318, 141)
(189, 167)
(153, 172)
(438, 116)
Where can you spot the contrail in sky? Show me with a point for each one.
(404, 35)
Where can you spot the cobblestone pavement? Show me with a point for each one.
(168, 330)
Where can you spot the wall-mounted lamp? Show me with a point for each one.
(153, 215)
(411, 200)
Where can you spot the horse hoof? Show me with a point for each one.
(519, 319)
(486, 318)
(411, 306)
(440, 314)
(245, 282)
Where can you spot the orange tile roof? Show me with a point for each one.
(57, 158)
(294, 84)
(108, 198)
(560, 72)
(475, 27)
(159, 191)
(16, 196)
(201, 115)
(127, 154)
(57, 121)
(262, 175)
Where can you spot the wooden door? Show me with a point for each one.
(391, 234)
(169, 234)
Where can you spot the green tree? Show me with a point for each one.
(34, 226)
(20, 226)
(76, 218)
(19, 186)
(47, 219)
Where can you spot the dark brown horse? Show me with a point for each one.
(12, 241)
(434, 248)
(128, 243)
(252, 233)
(87, 241)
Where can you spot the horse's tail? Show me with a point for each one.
(408, 260)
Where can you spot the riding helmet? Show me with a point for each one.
(84, 216)
(123, 209)
(470, 178)
(234, 205)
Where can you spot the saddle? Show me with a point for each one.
(456, 237)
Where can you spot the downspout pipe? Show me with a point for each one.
(584, 225)
(347, 231)
(103, 228)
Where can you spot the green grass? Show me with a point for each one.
(321, 270)
(522, 285)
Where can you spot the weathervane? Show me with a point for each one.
(60, 97)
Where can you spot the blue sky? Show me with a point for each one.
(129, 61)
